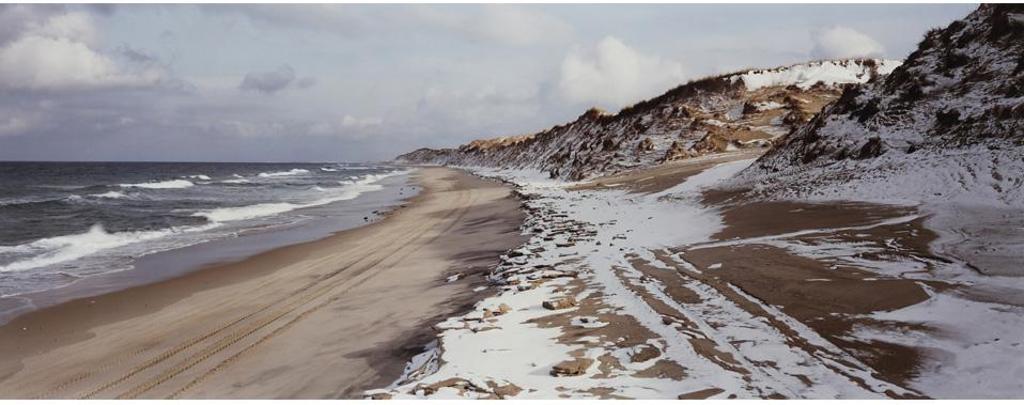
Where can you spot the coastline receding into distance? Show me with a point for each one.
(363, 291)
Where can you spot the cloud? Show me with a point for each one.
(17, 18)
(841, 42)
(273, 81)
(40, 63)
(614, 75)
(353, 122)
(13, 126)
(57, 52)
(504, 24)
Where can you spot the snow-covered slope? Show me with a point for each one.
(747, 109)
(827, 72)
(944, 130)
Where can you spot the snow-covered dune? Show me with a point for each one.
(747, 109)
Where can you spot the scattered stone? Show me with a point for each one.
(378, 396)
(505, 391)
(701, 394)
(644, 353)
(560, 303)
(572, 367)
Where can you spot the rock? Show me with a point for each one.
(643, 353)
(504, 308)
(560, 303)
(645, 145)
(572, 367)
(701, 394)
(676, 152)
(508, 390)
(380, 396)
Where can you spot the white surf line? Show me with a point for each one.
(768, 238)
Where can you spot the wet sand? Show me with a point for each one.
(324, 319)
(827, 296)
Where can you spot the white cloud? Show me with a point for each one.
(57, 54)
(842, 42)
(13, 126)
(349, 121)
(504, 24)
(75, 25)
(501, 24)
(614, 75)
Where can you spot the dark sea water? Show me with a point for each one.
(65, 222)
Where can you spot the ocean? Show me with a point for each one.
(61, 223)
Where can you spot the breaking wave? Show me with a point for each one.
(111, 194)
(59, 249)
(348, 191)
(161, 184)
(291, 172)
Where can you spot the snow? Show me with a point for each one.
(806, 75)
(967, 183)
(509, 348)
(978, 355)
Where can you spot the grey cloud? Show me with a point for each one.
(101, 9)
(305, 82)
(136, 55)
(401, 76)
(268, 82)
(15, 19)
(503, 24)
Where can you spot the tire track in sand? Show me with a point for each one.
(304, 295)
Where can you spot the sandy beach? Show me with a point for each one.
(325, 319)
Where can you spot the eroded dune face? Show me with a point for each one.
(743, 110)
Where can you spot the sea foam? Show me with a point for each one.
(348, 191)
(59, 249)
(291, 172)
(162, 184)
(111, 194)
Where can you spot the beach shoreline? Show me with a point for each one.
(367, 296)
(163, 265)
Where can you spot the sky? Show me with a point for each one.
(367, 82)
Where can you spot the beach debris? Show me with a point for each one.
(505, 391)
(701, 394)
(588, 322)
(462, 385)
(572, 367)
(644, 352)
(502, 309)
(378, 396)
(561, 303)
